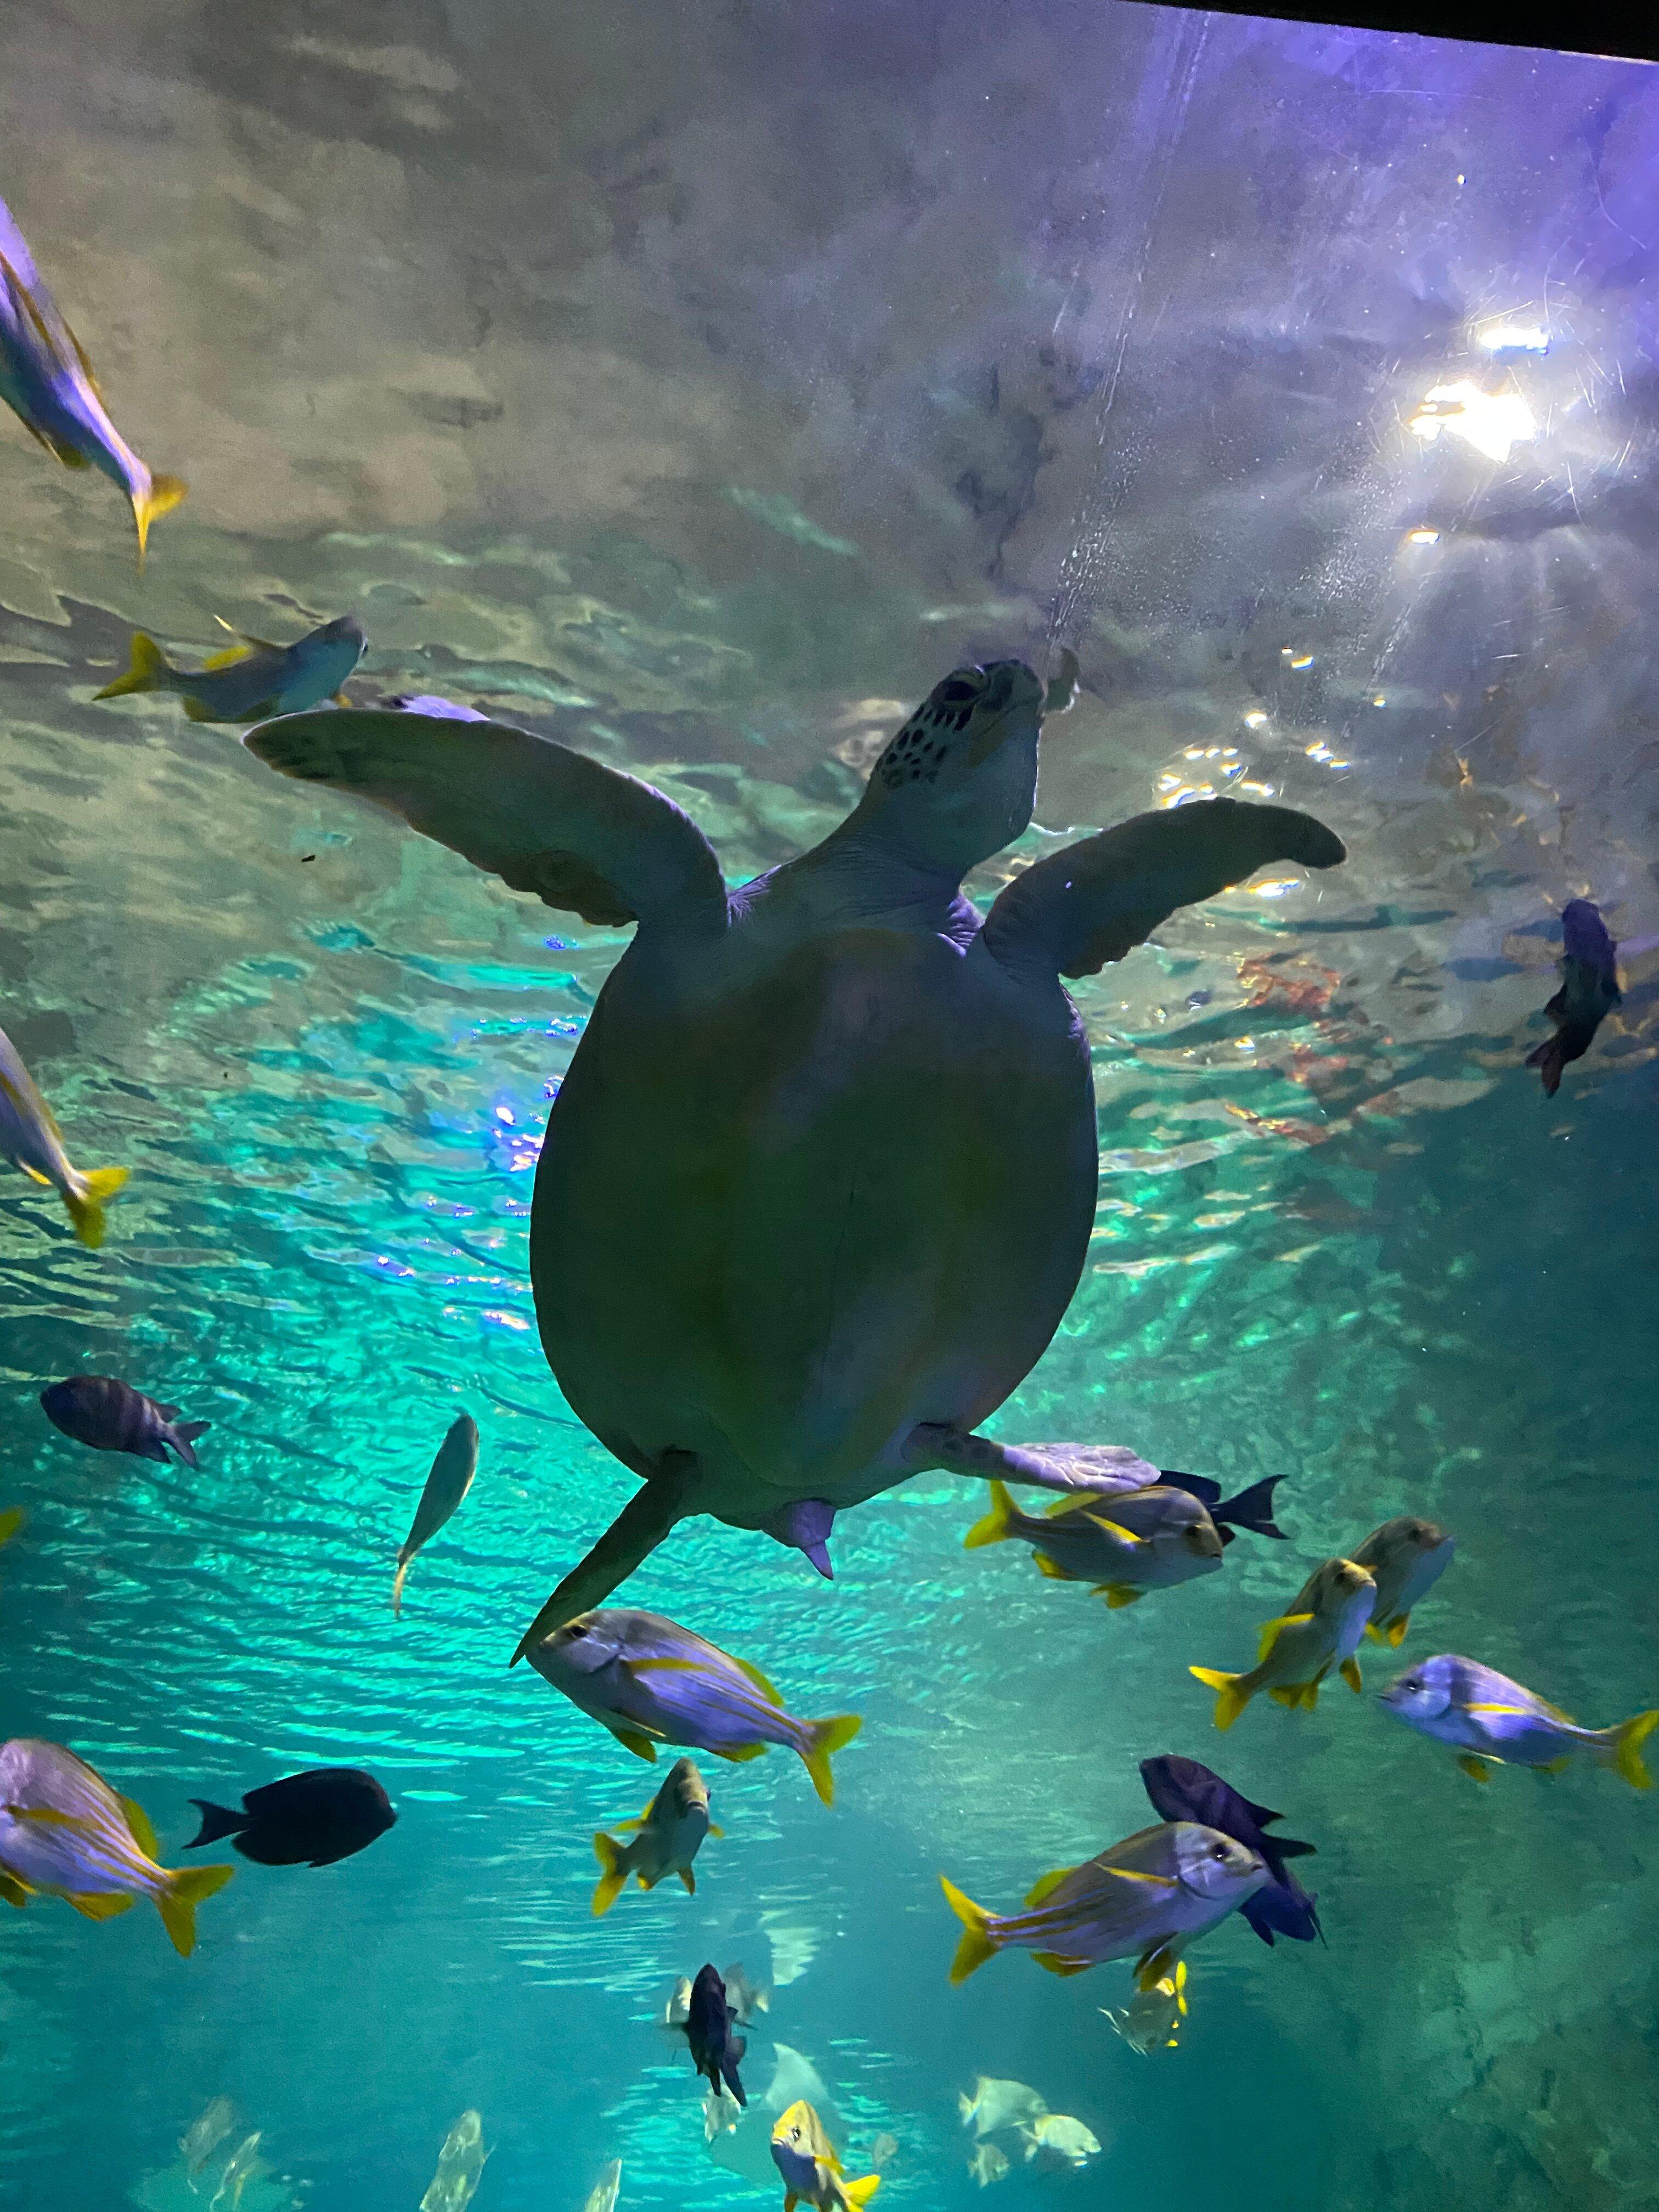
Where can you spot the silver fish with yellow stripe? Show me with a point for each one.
(651, 1682)
(668, 1835)
(64, 1832)
(1404, 1558)
(1150, 1538)
(1145, 1898)
(1321, 1630)
(1491, 1721)
(253, 679)
(30, 1140)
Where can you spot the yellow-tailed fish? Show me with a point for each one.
(1321, 1629)
(63, 1832)
(804, 2156)
(30, 1140)
(1489, 1720)
(669, 1834)
(48, 381)
(1146, 1539)
(1145, 1898)
(651, 1682)
(1151, 2020)
(252, 680)
(1404, 1558)
(447, 1484)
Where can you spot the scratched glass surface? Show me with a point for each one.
(698, 386)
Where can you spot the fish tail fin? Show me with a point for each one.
(978, 1942)
(1229, 1699)
(822, 1738)
(182, 1436)
(177, 1902)
(1549, 1061)
(160, 497)
(859, 2193)
(218, 1821)
(613, 1875)
(86, 1203)
(993, 1529)
(1621, 1746)
(148, 671)
(1253, 1509)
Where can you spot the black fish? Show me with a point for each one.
(1253, 1509)
(112, 1416)
(714, 2049)
(1183, 1790)
(1589, 990)
(310, 1819)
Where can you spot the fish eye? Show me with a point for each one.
(1218, 1850)
(572, 1630)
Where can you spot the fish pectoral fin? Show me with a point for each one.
(1053, 1962)
(34, 1174)
(1051, 1567)
(758, 1680)
(1478, 1770)
(635, 1740)
(1046, 1883)
(16, 1892)
(1396, 1630)
(1351, 1675)
(197, 710)
(1555, 1765)
(1118, 1595)
(1310, 1694)
(1272, 1630)
(101, 1905)
(226, 657)
(689, 1880)
(715, 1829)
(742, 1754)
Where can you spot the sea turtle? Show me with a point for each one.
(818, 1188)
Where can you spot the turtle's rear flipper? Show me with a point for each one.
(1109, 1468)
(632, 1537)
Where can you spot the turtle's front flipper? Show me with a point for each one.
(1091, 903)
(632, 1537)
(1108, 1469)
(583, 837)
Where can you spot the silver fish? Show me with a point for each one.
(206, 2132)
(447, 1485)
(602, 2197)
(1059, 2139)
(1151, 1537)
(239, 2169)
(1152, 2018)
(460, 2162)
(1321, 1629)
(1487, 1719)
(996, 2105)
(670, 1833)
(1404, 1558)
(32, 1140)
(252, 680)
(987, 2164)
(1145, 1898)
(651, 1682)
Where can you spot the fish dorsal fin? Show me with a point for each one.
(758, 1680)
(253, 644)
(1134, 1874)
(1062, 1506)
(142, 1834)
(1114, 1529)
(1046, 1884)
(226, 657)
(1272, 1630)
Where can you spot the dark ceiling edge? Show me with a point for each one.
(1595, 31)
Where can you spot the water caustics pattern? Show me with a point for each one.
(698, 386)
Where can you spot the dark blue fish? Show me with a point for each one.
(1589, 991)
(305, 1820)
(1253, 1509)
(1184, 1789)
(112, 1416)
(714, 2049)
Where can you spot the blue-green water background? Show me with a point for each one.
(698, 385)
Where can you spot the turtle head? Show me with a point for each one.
(958, 782)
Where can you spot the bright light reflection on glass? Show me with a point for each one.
(1491, 422)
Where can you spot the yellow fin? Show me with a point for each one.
(1271, 1630)
(1396, 1629)
(822, 1738)
(758, 1680)
(256, 644)
(147, 671)
(1351, 1675)
(978, 1943)
(996, 1524)
(1627, 1740)
(138, 1822)
(197, 710)
(177, 1902)
(1310, 1694)
(635, 1740)
(1290, 1698)
(16, 1894)
(10, 1522)
(1555, 1765)
(1052, 1962)
(743, 1754)
(859, 2193)
(1478, 1770)
(1052, 1568)
(715, 1829)
(1046, 1882)
(689, 1880)
(102, 1904)
(226, 656)
(164, 495)
(86, 1206)
(1118, 1595)
(1071, 1503)
(1114, 1529)
(613, 1874)
(1154, 1967)
(1231, 1700)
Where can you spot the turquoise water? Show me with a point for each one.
(699, 391)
